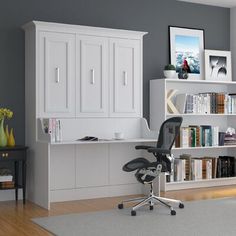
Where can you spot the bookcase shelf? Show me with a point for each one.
(204, 148)
(191, 114)
(200, 82)
(200, 183)
(159, 89)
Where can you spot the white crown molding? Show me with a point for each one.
(218, 3)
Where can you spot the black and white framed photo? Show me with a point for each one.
(218, 65)
(187, 49)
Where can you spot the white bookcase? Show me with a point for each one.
(159, 112)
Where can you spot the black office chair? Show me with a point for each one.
(147, 171)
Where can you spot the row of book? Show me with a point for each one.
(188, 168)
(198, 136)
(206, 103)
(52, 126)
(7, 184)
(5, 175)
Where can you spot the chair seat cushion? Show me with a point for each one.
(135, 164)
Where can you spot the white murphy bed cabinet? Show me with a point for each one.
(90, 78)
(87, 72)
(158, 113)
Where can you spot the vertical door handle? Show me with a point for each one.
(125, 78)
(92, 77)
(57, 75)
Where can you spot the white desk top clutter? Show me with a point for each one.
(82, 81)
(70, 131)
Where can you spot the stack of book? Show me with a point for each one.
(52, 126)
(179, 170)
(188, 168)
(207, 168)
(6, 178)
(226, 166)
(5, 175)
(7, 184)
(230, 139)
(206, 103)
(198, 136)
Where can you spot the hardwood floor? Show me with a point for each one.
(15, 219)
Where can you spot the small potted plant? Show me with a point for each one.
(170, 71)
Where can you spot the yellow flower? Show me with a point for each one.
(5, 113)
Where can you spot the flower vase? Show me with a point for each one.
(7, 132)
(11, 140)
(3, 137)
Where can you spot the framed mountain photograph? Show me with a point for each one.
(186, 48)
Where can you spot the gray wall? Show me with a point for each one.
(153, 16)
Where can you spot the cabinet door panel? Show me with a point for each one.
(125, 78)
(62, 167)
(57, 74)
(91, 165)
(92, 95)
(120, 154)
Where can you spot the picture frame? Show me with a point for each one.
(186, 45)
(218, 65)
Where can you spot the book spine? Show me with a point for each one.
(53, 136)
(58, 131)
(50, 126)
(184, 137)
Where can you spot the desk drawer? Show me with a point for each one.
(11, 155)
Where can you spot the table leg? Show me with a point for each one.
(23, 179)
(16, 179)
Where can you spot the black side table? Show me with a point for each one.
(16, 155)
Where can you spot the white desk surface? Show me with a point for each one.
(108, 141)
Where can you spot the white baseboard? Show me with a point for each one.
(95, 192)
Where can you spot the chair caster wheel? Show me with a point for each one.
(173, 212)
(120, 206)
(151, 208)
(133, 213)
(181, 205)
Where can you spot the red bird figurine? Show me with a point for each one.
(186, 67)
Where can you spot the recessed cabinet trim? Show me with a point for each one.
(56, 74)
(125, 78)
(92, 76)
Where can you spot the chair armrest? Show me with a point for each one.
(143, 147)
(158, 150)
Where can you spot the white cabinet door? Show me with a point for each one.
(125, 76)
(92, 165)
(92, 75)
(62, 167)
(120, 154)
(56, 74)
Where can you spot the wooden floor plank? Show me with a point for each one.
(15, 219)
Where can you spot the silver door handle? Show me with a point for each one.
(92, 77)
(125, 79)
(57, 75)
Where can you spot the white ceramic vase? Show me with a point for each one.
(170, 73)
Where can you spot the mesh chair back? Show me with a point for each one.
(168, 132)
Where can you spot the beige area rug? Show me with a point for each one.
(199, 218)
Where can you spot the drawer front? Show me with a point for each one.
(12, 155)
